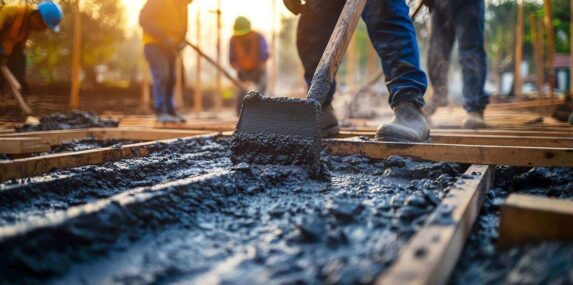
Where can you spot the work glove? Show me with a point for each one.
(295, 6)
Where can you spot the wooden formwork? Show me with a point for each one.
(431, 255)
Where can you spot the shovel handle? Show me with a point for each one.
(334, 53)
(220, 68)
(16, 87)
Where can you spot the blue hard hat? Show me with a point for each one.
(52, 14)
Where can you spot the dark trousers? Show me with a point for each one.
(162, 66)
(392, 33)
(462, 20)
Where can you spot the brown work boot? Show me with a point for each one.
(408, 125)
(474, 120)
(330, 125)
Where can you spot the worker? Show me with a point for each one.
(392, 33)
(164, 24)
(462, 20)
(17, 23)
(248, 54)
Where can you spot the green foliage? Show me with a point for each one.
(103, 29)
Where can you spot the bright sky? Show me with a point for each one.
(258, 11)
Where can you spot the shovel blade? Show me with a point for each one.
(283, 131)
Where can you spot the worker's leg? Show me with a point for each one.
(171, 82)
(469, 24)
(394, 38)
(158, 60)
(314, 30)
(393, 35)
(441, 43)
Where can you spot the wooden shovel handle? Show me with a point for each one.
(335, 50)
(220, 68)
(16, 87)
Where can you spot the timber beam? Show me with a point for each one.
(34, 166)
(470, 154)
(431, 255)
(544, 219)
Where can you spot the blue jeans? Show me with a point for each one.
(162, 65)
(462, 20)
(392, 33)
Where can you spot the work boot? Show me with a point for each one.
(163, 118)
(474, 120)
(330, 125)
(408, 125)
(178, 118)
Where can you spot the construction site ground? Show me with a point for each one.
(162, 203)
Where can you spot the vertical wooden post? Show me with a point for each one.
(178, 96)
(145, 96)
(571, 53)
(550, 49)
(538, 36)
(518, 81)
(198, 99)
(218, 86)
(76, 58)
(274, 57)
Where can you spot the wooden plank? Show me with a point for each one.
(543, 219)
(431, 255)
(54, 137)
(472, 154)
(34, 166)
(19, 145)
(495, 132)
(144, 135)
(61, 136)
(483, 139)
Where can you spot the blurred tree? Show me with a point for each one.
(103, 29)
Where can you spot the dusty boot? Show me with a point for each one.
(163, 118)
(330, 125)
(474, 120)
(409, 125)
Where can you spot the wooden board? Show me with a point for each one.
(472, 139)
(541, 219)
(431, 255)
(34, 166)
(61, 136)
(22, 145)
(471, 154)
(492, 132)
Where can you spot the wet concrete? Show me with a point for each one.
(72, 120)
(25, 199)
(242, 224)
(545, 263)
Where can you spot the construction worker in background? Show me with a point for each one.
(17, 22)
(462, 20)
(248, 53)
(164, 24)
(392, 33)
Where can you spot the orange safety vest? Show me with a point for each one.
(14, 31)
(247, 51)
